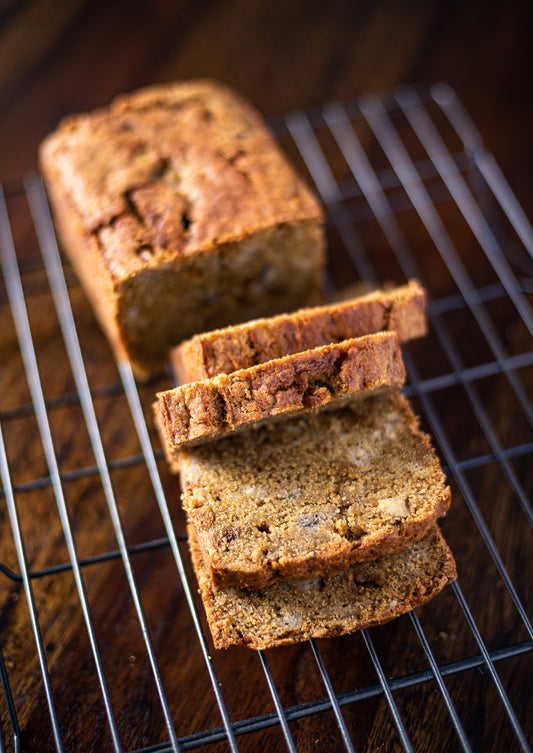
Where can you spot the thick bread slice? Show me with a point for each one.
(309, 497)
(402, 309)
(280, 388)
(365, 594)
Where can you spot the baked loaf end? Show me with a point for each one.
(365, 594)
(402, 309)
(308, 497)
(277, 389)
(180, 214)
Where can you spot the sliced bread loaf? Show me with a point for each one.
(402, 309)
(313, 379)
(363, 595)
(180, 213)
(309, 497)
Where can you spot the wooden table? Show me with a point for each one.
(61, 57)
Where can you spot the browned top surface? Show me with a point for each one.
(174, 170)
(303, 381)
(222, 351)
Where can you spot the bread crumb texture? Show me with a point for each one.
(363, 595)
(308, 497)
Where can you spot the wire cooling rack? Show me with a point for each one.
(103, 642)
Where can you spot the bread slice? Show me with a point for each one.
(402, 309)
(363, 595)
(313, 379)
(309, 497)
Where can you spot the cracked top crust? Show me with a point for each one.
(402, 309)
(281, 388)
(173, 170)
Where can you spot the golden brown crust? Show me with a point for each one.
(363, 595)
(280, 388)
(402, 310)
(190, 212)
(309, 497)
(193, 144)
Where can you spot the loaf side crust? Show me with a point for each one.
(177, 203)
(402, 309)
(362, 596)
(311, 496)
(278, 389)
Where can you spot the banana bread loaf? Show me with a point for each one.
(365, 594)
(402, 309)
(308, 497)
(281, 388)
(180, 214)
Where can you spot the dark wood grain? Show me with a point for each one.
(60, 57)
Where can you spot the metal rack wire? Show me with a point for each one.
(405, 175)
